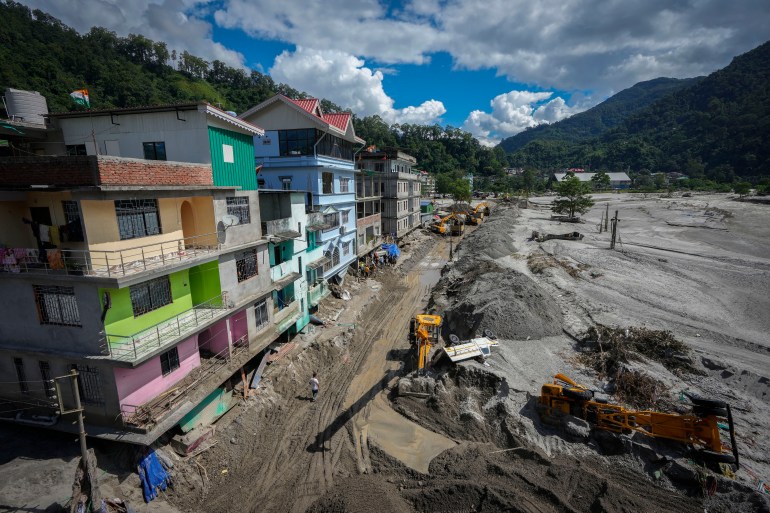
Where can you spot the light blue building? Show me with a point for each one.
(305, 149)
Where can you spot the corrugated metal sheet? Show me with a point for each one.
(239, 172)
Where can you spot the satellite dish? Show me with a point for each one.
(230, 220)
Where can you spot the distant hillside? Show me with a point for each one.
(40, 53)
(716, 128)
(597, 120)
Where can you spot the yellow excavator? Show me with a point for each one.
(699, 428)
(423, 334)
(442, 226)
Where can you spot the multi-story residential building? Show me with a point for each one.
(400, 189)
(294, 257)
(307, 149)
(368, 217)
(428, 184)
(136, 257)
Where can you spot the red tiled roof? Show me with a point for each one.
(338, 120)
(308, 104)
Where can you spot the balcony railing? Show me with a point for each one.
(153, 411)
(285, 314)
(317, 292)
(133, 347)
(113, 263)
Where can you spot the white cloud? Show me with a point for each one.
(515, 111)
(345, 80)
(179, 23)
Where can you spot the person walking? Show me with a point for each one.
(314, 385)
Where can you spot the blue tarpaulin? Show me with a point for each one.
(392, 250)
(152, 475)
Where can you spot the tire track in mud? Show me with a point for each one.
(296, 448)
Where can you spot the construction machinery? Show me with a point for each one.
(699, 428)
(423, 334)
(442, 225)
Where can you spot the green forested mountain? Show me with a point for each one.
(717, 128)
(597, 120)
(40, 53)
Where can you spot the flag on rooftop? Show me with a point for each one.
(81, 97)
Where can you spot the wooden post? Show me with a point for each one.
(614, 230)
(606, 217)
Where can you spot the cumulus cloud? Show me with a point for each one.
(568, 45)
(515, 111)
(179, 23)
(345, 80)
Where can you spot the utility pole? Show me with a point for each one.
(450, 246)
(606, 216)
(73, 377)
(614, 230)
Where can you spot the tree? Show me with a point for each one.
(601, 180)
(572, 197)
(460, 190)
(741, 188)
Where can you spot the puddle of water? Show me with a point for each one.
(411, 444)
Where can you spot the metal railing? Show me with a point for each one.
(153, 411)
(103, 263)
(132, 347)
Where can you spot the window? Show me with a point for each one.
(328, 183)
(260, 313)
(246, 265)
(57, 305)
(361, 239)
(227, 154)
(137, 218)
(45, 375)
(20, 376)
(332, 220)
(286, 183)
(336, 257)
(311, 240)
(299, 142)
(238, 206)
(89, 384)
(154, 150)
(336, 147)
(74, 150)
(344, 185)
(345, 248)
(73, 229)
(169, 361)
(345, 216)
(150, 295)
(379, 167)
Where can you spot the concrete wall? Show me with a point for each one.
(20, 325)
(241, 233)
(186, 138)
(142, 384)
(255, 286)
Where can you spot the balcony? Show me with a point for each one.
(286, 314)
(130, 348)
(109, 264)
(98, 170)
(373, 219)
(317, 292)
(283, 229)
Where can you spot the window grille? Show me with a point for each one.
(57, 305)
(154, 150)
(45, 375)
(332, 221)
(19, 364)
(150, 295)
(246, 266)
(344, 185)
(169, 361)
(238, 206)
(345, 216)
(345, 248)
(286, 184)
(260, 313)
(328, 183)
(89, 385)
(74, 225)
(74, 150)
(137, 218)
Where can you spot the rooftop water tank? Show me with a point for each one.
(26, 106)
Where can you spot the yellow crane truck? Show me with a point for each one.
(699, 428)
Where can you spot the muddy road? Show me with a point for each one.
(285, 456)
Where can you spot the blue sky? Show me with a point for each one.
(494, 67)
